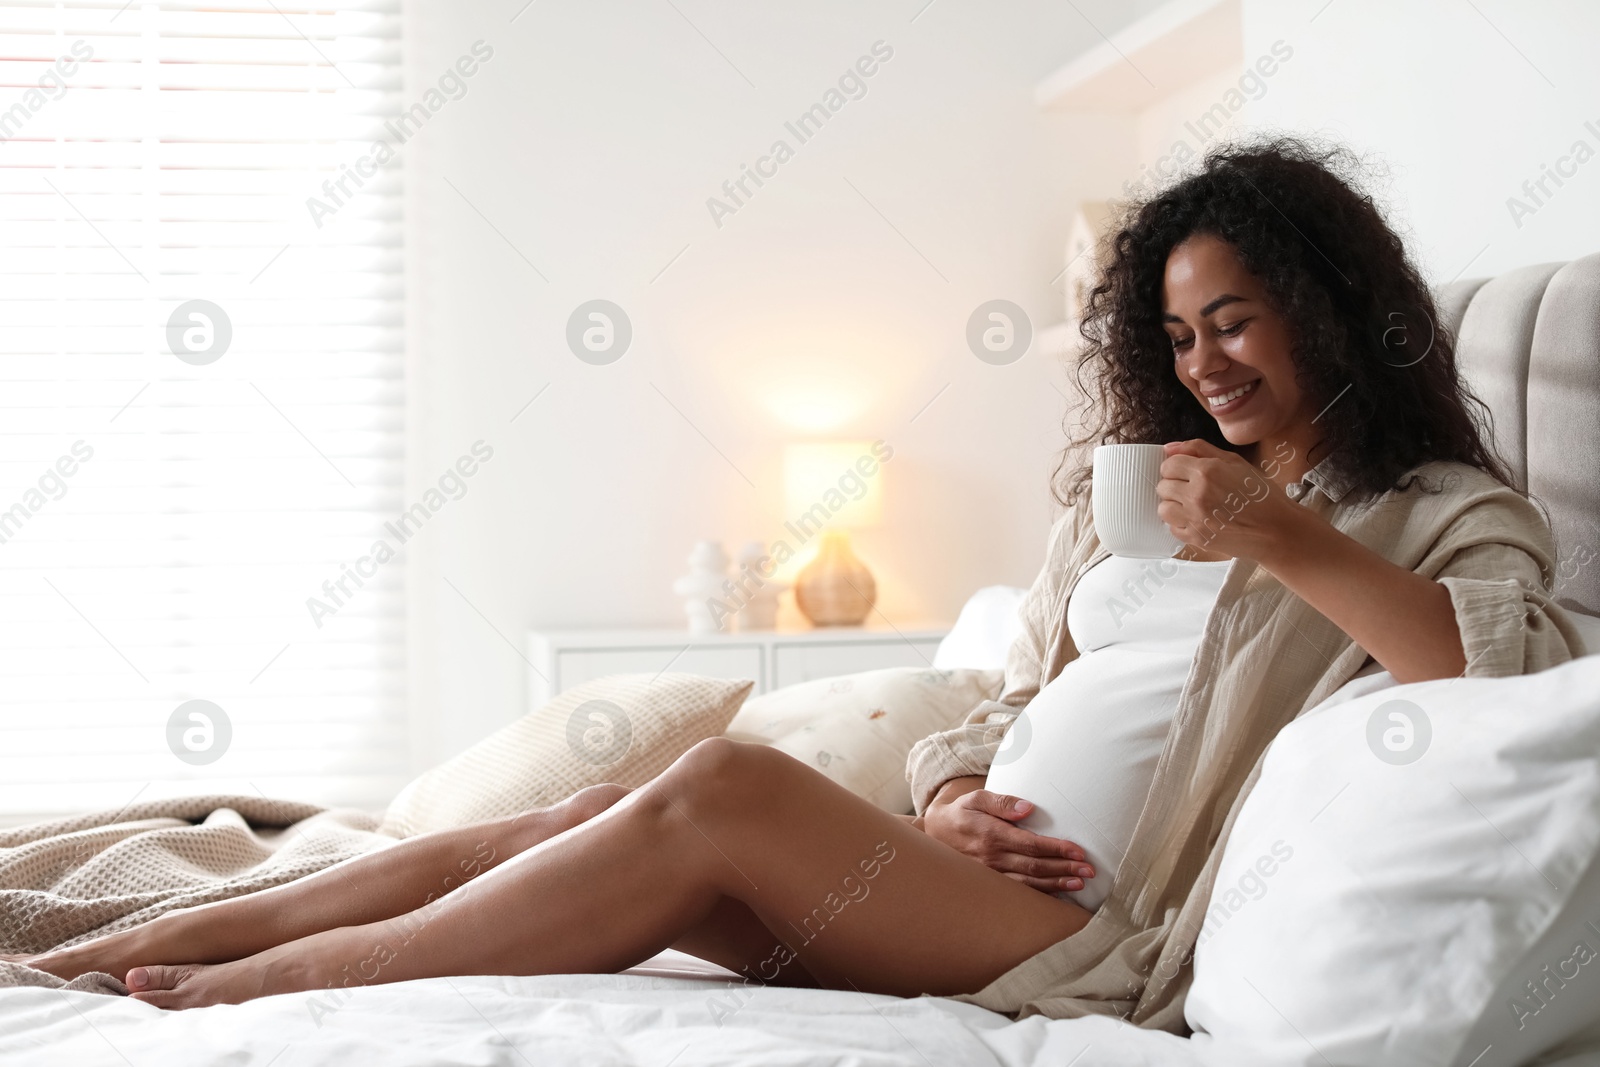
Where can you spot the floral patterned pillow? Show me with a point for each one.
(858, 728)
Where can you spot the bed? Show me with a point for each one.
(593, 1020)
(1530, 342)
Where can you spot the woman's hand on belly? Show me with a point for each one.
(978, 824)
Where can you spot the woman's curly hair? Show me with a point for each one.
(1368, 345)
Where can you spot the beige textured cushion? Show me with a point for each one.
(626, 729)
(858, 728)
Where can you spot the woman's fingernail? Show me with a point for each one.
(138, 978)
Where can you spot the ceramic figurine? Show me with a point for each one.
(702, 587)
(758, 591)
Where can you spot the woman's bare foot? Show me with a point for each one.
(190, 985)
(186, 985)
(196, 985)
(111, 954)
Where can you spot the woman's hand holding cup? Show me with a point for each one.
(1218, 501)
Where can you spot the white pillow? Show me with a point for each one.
(984, 630)
(858, 728)
(1369, 910)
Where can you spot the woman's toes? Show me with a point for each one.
(47, 962)
(27, 959)
(169, 987)
(154, 979)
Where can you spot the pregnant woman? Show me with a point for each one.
(1261, 320)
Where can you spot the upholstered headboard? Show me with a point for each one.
(1528, 343)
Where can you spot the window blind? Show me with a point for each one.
(203, 402)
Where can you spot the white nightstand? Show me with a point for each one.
(771, 658)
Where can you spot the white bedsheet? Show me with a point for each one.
(564, 1019)
(632, 1019)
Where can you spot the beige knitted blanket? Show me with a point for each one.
(75, 878)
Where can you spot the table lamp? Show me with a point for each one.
(830, 488)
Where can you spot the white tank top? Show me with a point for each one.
(1084, 750)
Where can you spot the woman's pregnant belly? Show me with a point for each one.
(1084, 752)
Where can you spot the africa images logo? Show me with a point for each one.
(1399, 732)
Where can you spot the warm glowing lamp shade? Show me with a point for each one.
(829, 488)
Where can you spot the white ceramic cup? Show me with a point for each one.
(1124, 499)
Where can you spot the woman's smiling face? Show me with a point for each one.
(1230, 348)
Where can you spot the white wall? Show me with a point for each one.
(1463, 102)
(1454, 106)
(591, 142)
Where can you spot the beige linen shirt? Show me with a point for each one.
(1265, 656)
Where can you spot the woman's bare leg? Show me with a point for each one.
(859, 897)
(393, 881)
(733, 936)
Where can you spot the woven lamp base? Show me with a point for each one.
(835, 589)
